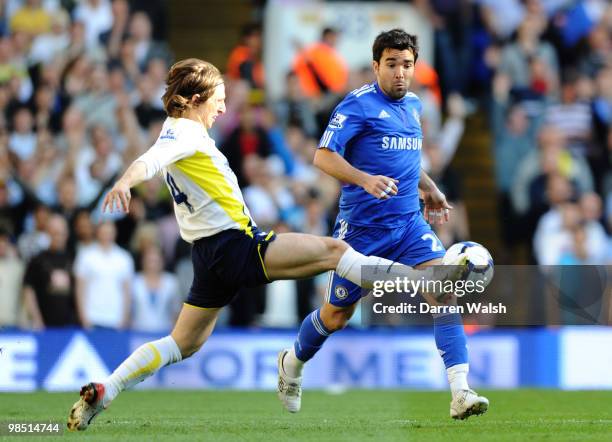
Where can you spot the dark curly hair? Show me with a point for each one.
(394, 39)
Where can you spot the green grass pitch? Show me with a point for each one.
(358, 415)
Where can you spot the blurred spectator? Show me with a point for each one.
(591, 207)
(145, 48)
(145, 236)
(11, 275)
(320, 67)
(31, 18)
(572, 115)
(97, 104)
(69, 207)
(601, 106)
(245, 60)
(32, 243)
(47, 115)
(127, 62)
(517, 56)
(303, 152)
(48, 46)
(96, 16)
(112, 38)
(249, 138)
(96, 167)
(451, 20)
(158, 12)
(13, 71)
(127, 226)
(22, 140)
(502, 17)
(514, 137)
(552, 157)
(48, 289)
(425, 84)
(597, 54)
(84, 232)
(447, 180)
(439, 149)
(294, 109)
(15, 204)
(156, 199)
(75, 78)
(278, 143)
(266, 199)
(80, 46)
(579, 19)
(150, 89)
(156, 300)
(564, 236)
(448, 137)
(577, 253)
(104, 274)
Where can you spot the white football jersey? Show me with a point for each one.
(207, 199)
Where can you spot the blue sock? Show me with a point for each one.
(450, 339)
(311, 336)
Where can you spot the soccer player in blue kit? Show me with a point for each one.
(373, 145)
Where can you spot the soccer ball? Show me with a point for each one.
(479, 265)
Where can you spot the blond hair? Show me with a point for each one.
(187, 78)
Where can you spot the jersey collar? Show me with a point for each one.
(194, 125)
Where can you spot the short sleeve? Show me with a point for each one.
(345, 123)
(169, 148)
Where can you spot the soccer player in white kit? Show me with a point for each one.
(229, 251)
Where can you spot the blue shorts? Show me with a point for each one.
(411, 244)
(226, 262)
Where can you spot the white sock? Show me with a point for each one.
(351, 261)
(457, 377)
(144, 362)
(292, 365)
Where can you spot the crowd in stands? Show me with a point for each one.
(80, 98)
(552, 114)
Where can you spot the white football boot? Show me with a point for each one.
(289, 389)
(454, 270)
(467, 403)
(85, 410)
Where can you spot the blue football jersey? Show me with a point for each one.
(380, 136)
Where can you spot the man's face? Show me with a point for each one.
(57, 230)
(106, 233)
(213, 107)
(394, 72)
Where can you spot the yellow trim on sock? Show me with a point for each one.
(151, 366)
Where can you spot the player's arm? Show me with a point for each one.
(437, 209)
(161, 155)
(119, 196)
(335, 165)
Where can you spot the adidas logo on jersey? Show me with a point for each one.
(383, 114)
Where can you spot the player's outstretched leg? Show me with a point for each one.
(452, 345)
(451, 342)
(313, 333)
(192, 328)
(294, 255)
